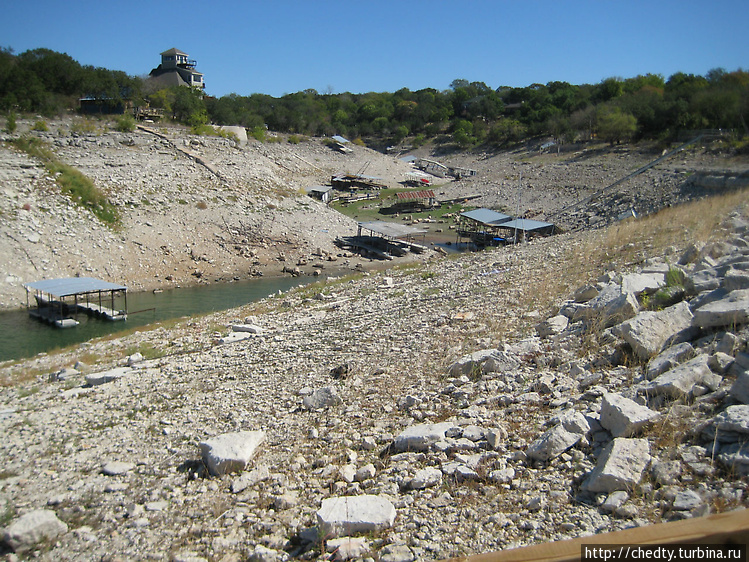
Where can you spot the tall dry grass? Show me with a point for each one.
(624, 245)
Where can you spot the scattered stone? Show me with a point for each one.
(32, 528)
(426, 478)
(230, 452)
(552, 443)
(669, 358)
(553, 326)
(620, 466)
(321, 398)
(421, 437)
(350, 515)
(679, 381)
(470, 364)
(731, 310)
(116, 468)
(647, 332)
(347, 548)
(95, 379)
(397, 553)
(624, 417)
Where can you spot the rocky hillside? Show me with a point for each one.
(453, 407)
(204, 209)
(194, 209)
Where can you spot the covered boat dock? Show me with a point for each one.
(384, 239)
(58, 301)
(485, 227)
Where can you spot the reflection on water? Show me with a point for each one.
(22, 336)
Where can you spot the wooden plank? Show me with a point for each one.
(722, 528)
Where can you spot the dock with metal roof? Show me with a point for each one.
(485, 227)
(58, 301)
(383, 240)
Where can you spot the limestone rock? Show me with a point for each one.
(321, 398)
(421, 437)
(347, 548)
(624, 417)
(230, 452)
(669, 358)
(731, 310)
(470, 363)
(647, 332)
(679, 381)
(426, 478)
(350, 515)
(638, 283)
(552, 443)
(32, 528)
(103, 377)
(740, 387)
(116, 468)
(553, 326)
(620, 466)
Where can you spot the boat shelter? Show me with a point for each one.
(524, 229)
(58, 301)
(482, 226)
(383, 240)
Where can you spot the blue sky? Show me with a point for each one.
(283, 46)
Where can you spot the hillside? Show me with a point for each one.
(242, 212)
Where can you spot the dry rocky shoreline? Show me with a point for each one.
(430, 410)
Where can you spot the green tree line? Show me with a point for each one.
(467, 113)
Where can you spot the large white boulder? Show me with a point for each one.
(230, 452)
(32, 528)
(620, 466)
(351, 515)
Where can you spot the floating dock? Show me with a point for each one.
(59, 301)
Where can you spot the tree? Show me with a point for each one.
(615, 126)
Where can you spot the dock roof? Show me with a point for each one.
(68, 286)
(390, 229)
(527, 225)
(487, 216)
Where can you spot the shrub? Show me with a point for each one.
(258, 133)
(124, 124)
(294, 139)
(84, 127)
(40, 125)
(10, 123)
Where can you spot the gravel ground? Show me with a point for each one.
(119, 463)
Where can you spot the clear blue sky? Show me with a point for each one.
(277, 47)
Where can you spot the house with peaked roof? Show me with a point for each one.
(177, 69)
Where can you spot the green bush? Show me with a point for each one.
(84, 127)
(294, 139)
(258, 133)
(40, 125)
(10, 123)
(124, 124)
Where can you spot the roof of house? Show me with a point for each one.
(174, 51)
(424, 194)
(68, 286)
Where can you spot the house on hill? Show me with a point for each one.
(177, 69)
